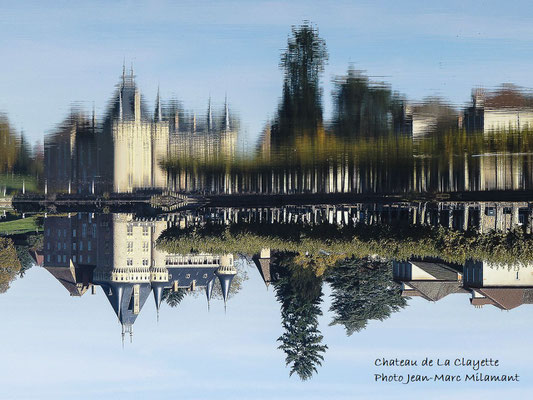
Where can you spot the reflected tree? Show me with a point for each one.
(174, 298)
(363, 290)
(300, 293)
(9, 263)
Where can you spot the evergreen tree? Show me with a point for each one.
(174, 298)
(300, 111)
(363, 290)
(363, 108)
(299, 292)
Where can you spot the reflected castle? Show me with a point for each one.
(118, 253)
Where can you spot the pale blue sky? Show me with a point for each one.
(57, 347)
(56, 53)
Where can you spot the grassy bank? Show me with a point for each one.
(21, 225)
(13, 184)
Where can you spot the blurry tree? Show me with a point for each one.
(303, 61)
(362, 290)
(8, 146)
(363, 108)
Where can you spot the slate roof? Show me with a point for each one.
(433, 290)
(70, 277)
(263, 266)
(120, 296)
(440, 271)
(504, 298)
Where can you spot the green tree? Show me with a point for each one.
(363, 290)
(299, 292)
(9, 263)
(303, 61)
(364, 108)
(174, 298)
(8, 146)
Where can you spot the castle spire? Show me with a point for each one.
(120, 113)
(209, 291)
(158, 112)
(158, 296)
(93, 118)
(225, 273)
(124, 72)
(209, 116)
(226, 114)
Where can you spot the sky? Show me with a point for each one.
(55, 54)
(55, 347)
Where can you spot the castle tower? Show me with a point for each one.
(225, 273)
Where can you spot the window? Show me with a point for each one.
(94, 230)
(145, 230)
(64, 258)
(74, 233)
(84, 231)
(145, 262)
(73, 258)
(48, 245)
(64, 245)
(81, 246)
(146, 247)
(89, 245)
(58, 258)
(81, 258)
(48, 258)
(74, 245)
(130, 230)
(129, 262)
(48, 232)
(88, 259)
(64, 233)
(490, 211)
(130, 247)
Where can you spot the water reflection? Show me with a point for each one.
(374, 257)
(450, 210)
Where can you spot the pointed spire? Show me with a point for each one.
(131, 72)
(158, 296)
(226, 114)
(124, 72)
(225, 275)
(209, 291)
(93, 118)
(120, 113)
(158, 112)
(209, 116)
